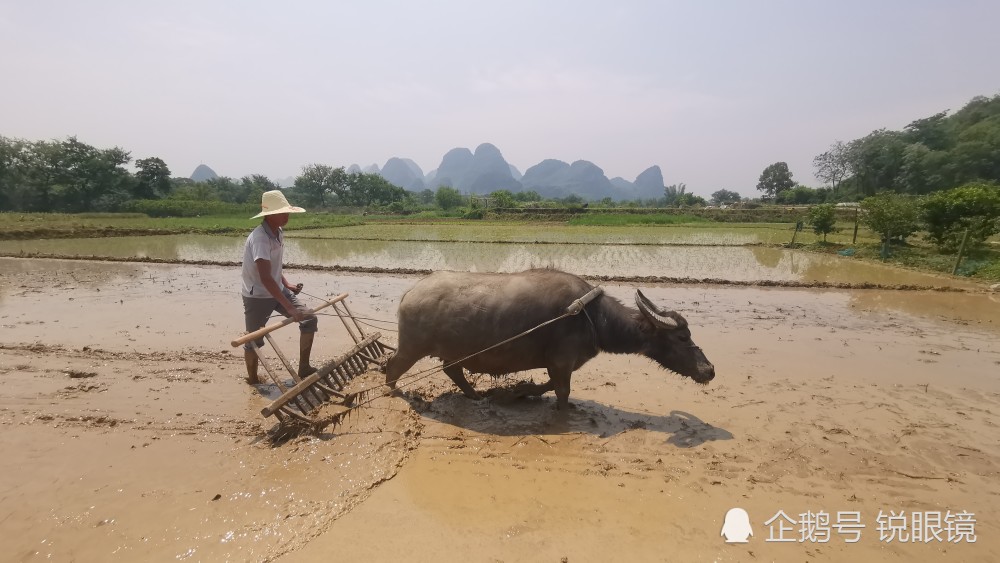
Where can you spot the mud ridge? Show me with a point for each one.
(98, 353)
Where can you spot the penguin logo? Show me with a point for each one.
(736, 528)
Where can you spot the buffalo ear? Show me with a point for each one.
(655, 314)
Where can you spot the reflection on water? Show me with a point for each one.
(725, 262)
(165, 247)
(766, 257)
(629, 234)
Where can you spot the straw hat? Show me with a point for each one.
(274, 202)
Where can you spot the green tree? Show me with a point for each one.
(875, 161)
(197, 191)
(318, 183)
(503, 199)
(931, 154)
(527, 196)
(801, 195)
(81, 177)
(228, 190)
(823, 219)
(931, 132)
(152, 179)
(425, 197)
(914, 176)
(775, 179)
(251, 188)
(974, 207)
(723, 197)
(890, 215)
(15, 187)
(366, 189)
(177, 182)
(448, 198)
(673, 193)
(976, 156)
(832, 166)
(690, 200)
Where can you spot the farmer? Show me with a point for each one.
(265, 288)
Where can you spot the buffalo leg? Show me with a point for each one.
(559, 379)
(458, 376)
(397, 365)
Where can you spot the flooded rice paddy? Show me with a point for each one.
(730, 254)
(719, 234)
(121, 388)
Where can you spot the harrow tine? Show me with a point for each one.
(342, 379)
(332, 382)
(328, 391)
(302, 401)
(297, 416)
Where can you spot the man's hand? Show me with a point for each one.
(296, 289)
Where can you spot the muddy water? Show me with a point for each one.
(735, 263)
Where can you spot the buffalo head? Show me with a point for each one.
(670, 343)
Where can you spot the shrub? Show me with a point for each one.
(475, 213)
(948, 214)
(503, 199)
(448, 198)
(890, 215)
(823, 219)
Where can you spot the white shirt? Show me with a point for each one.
(261, 244)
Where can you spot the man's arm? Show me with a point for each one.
(293, 288)
(264, 269)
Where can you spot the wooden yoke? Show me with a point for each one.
(576, 306)
(268, 329)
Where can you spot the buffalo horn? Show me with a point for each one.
(655, 314)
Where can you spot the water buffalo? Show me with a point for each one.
(450, 315)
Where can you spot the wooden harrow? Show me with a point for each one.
(328, 383)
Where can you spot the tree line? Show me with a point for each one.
(929, 155)
(71, 176)
(939, 175)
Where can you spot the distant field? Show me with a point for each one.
(612, 230)
(596, 229)
(62, 225)
(701, 233)
(617, 220)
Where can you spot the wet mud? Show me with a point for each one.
(130, 434)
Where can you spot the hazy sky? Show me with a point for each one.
(712, 92)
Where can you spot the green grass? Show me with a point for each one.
(62, 225)
(982, 264)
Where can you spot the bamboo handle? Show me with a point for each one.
(268, 329)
